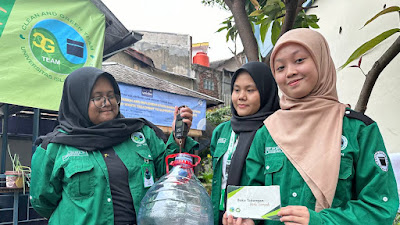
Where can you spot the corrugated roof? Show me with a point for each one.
(127, 75)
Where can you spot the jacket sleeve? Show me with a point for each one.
(375, 197)
(214, 138)
(160, 150)
(219, 131)
(46, 187)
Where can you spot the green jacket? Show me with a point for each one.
(218, 147)
(71, 186)
(366, 192)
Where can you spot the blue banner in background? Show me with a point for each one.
(158, 106)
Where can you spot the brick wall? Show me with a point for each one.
(205, 74)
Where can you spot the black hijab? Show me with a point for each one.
(247, 126)
(74, 119)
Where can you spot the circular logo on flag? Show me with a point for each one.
(138, 137)
(57, 46)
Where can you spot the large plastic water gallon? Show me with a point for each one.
(178, 198)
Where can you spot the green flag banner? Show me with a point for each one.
(41, 42)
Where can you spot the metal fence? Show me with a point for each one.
(15, 207)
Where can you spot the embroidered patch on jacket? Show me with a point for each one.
(273, 150)
(381, 160)
(138, 137)
(74, 154)
(221, 141)
(344, 143)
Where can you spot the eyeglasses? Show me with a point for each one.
(101, 101)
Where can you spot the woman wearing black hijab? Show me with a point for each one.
(96, 166)
(254, 98)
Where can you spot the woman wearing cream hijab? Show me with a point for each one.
(331, 163)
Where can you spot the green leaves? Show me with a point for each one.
(312, 21)
(273, 9)
(273, 12)
(387, 10)
(230, 27)
(264, 28)
(264, 13)
(276, 30)
(232, 34)
(376, 40)
(219, 115)
(305, 21)
(256, 13)
(369, 45)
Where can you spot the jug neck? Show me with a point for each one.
(183, 159)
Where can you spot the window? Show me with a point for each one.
(208, 84)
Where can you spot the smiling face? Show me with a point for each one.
(102, 87)
(245, 95)
(295, 71)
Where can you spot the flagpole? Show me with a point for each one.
(35, 132)
(4, 138)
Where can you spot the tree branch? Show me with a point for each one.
(309, 7)
(293, 7)
(374, 73)
(243, 26)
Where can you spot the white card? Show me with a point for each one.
(255, 202)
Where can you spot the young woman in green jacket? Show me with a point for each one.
(254, 98)
(96, 166)
(329, 161)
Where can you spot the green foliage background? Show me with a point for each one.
(397, 219)
(219, 115)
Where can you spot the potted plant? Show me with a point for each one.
(19, 176)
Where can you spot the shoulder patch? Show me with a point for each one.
(381, 160)
(359, 116)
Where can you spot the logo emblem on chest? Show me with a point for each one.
(138, 137)
(221, 141)
(74, 154)
(273, 150)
